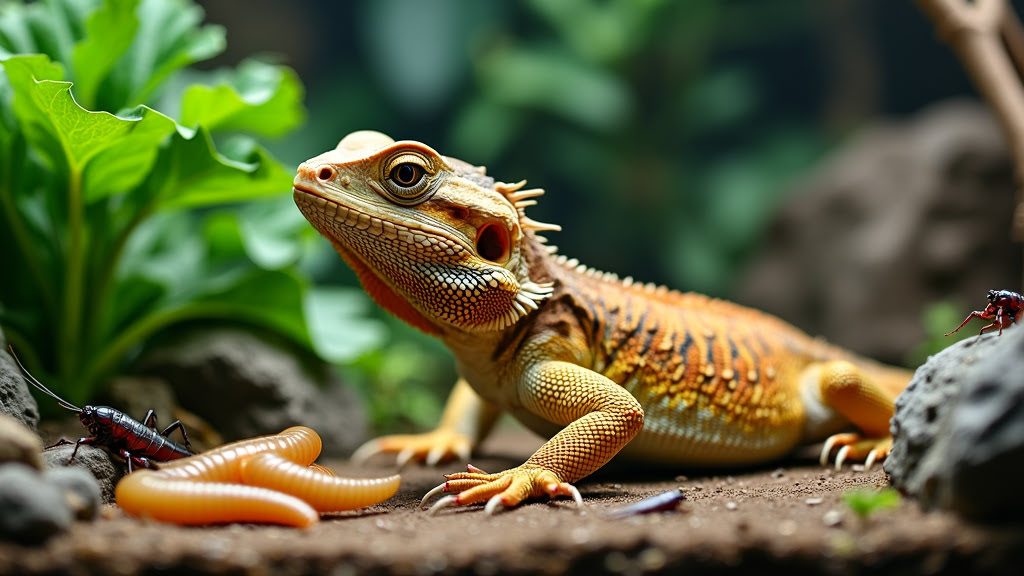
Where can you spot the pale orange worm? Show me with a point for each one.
(209, 488)
(322, 492)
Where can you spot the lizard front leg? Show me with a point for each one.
(600, 417)
(865, 404)
(466, 421)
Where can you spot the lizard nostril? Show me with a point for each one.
(325, 173)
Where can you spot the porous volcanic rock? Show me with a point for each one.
(15, 399)
(958, 429)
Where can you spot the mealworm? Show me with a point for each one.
(322, 492)
(151, 494)
(268, 479)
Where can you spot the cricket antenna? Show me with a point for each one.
(32, 380)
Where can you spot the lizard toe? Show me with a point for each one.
(502, 490)
(852, 447)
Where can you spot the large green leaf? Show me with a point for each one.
(108, 33)
(272, 298)
(169, 38)
(49, 27)
(125, 163)
(339, 325)
(260, 98)
(55, 117)
(191, 173)
(22, 72)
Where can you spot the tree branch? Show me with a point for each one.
(974, 30)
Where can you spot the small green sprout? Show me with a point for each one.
(864, 501)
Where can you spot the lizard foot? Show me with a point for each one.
(431, 447)
(502, 490)
(855, 448)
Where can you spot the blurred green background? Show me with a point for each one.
(666, 133)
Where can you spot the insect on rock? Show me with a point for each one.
(139, 443)
(1004, 307)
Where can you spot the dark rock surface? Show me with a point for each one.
(80, 488)
(15, 399)
(958, 429)
(903, 215)
(19, 444)
(105, 468)
(251, 386)
(31, 510)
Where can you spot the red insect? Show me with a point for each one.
(1004, 307)
(139, 443)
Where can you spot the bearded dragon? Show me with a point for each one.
(598, 364)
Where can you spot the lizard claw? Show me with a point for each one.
(855, 448)
(499, 491)
(433, 492)
(443, 503)
(432, 448)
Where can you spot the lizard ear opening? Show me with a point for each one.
(493, 243)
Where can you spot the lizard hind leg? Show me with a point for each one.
(865, 404)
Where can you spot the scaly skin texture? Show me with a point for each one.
(597, 364)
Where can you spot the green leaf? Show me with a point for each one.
(169, 38)
(271, 232)
(338, 323)
(272, 298)
(70, 133)
(22, 72)
(125, 163)
(191, 173)
(864, 502)
(260, 98)
(51, 27)
(110, 30)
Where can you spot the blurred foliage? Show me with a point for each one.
(119, 221)
(665, 133)
(865, 501)
(940, 318)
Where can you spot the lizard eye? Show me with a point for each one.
(407, 178)
(407, 174)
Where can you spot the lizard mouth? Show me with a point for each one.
(317, 207)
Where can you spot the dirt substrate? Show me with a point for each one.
(790, 518)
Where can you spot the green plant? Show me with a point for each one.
(865, 502)
(119, 221)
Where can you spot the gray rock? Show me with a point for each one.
(80, 489)
(19, 444)
(903, 215)
(958, 430)
(15, 399)
(246, 386)
(31, 510)
(105, 468)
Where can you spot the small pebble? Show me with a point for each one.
(778, 473)
(31, 510)
(832, 518)
(19, 444)
(730, 505)
(80, 488)
(813, 501)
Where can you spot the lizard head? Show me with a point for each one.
(433, 239)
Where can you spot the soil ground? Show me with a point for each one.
(788, 517)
